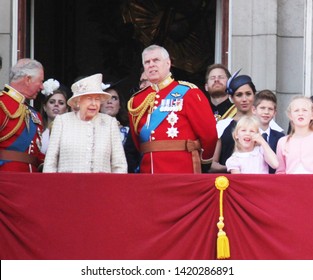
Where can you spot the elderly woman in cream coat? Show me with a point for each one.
(85, 140)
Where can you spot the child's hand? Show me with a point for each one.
(259, 140)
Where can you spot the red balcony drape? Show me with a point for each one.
(137, 216)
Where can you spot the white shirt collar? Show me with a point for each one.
(267, 131)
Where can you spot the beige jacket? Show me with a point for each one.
(85, 146)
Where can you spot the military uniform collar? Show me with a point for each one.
(13, 93)
(163, 84)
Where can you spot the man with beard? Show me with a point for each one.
(216, 79)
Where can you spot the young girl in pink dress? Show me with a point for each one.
(252, 154)
(294, 151)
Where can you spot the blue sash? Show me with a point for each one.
(158, 116)
(24, 139)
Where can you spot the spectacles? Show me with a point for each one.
(219, 77)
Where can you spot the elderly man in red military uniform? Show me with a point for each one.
(20, 124)
(172, 123)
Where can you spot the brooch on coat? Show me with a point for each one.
(172, 119)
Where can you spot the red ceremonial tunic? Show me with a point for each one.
(194, 121)
(15, 117)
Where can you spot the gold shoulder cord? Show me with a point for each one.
(138, 112)
(191, 85)
(21, 112)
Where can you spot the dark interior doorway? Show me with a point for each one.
(77, 37)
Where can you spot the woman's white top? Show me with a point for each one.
(45, 140)
(85, 146)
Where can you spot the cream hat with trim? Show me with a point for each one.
(88, 85)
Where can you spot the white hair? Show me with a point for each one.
(25, 67)
(164, 52)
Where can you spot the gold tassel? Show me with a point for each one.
(223, 248)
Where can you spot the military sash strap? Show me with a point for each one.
(18, 156)
(191, 146)
(158, 116)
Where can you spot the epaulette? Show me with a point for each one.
(191, 85)
(230, 113)
(13, 94)
(15, 107)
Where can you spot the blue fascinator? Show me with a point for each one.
(235, 82)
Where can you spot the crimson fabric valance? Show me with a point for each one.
(137, 216)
